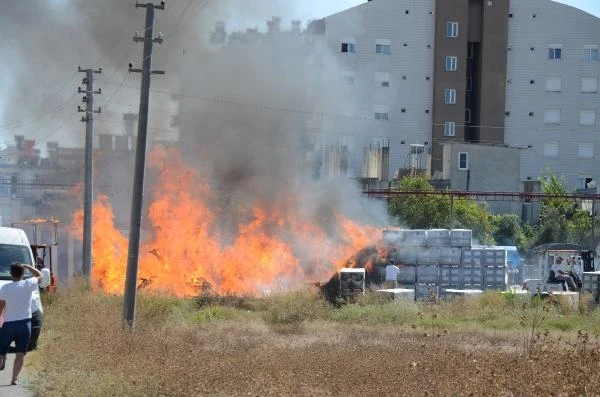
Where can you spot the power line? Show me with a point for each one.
(33, 118)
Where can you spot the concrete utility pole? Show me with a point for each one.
(88, 195)
(140, 162)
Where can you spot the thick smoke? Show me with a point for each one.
(250, 117)
(249, 112)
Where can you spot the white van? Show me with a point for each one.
(14, 247)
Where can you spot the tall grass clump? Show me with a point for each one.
(291, 309)
(534, 315)
(375, 309)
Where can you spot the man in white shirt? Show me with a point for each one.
(391, 275)
(562, 274)
(15, 305)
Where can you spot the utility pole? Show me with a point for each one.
(140, 161)
(451, 211)
(88, 195)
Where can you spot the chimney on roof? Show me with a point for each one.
(219, 34)
(296, 26)
(19, 139)
(273, 24)
(130, 119)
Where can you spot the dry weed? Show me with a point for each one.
(86, 352)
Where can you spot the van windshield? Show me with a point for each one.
(10, 254)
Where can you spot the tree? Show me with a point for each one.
(433, 211)
(419, 211)
(562, 220)
(508, 230)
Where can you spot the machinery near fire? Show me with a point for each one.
(43, 238)
(352, 282)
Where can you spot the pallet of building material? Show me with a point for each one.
(461, 237)
(495, 277)
(451, 276)
(407, 274)
(591, 284)
(427, 274)
(450, 256)
(427, 291)
(472, 275)
(495, 257)
(472, 257)
(399, 294)
(438, 237)
(415, 238)
(393, 236)
(428, 256)
(407, 255)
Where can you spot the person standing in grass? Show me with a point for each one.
(15, 305)
(391, 275)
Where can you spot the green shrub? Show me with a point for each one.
(155, 307)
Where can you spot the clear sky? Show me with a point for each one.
(311, 9)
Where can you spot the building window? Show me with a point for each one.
(382, 79)
(590, 52)
(587, 118)
(463, 161)
(451, 63)
(382, 112)
(553, 84)
(467, 116)
(552, 116)
(589, 84)
(470, 50)
(452, 29)
(450, 96)
(469, 83)
(349, 45)
(554, 52)
(583, 182)
(449, 128)
(551, 149)
(585, 150)
(383, 46)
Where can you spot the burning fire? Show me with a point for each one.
(252, 248)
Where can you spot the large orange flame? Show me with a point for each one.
(187, 244)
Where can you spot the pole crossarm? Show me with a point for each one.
(481, 196)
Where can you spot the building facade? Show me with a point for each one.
(552, 98)
(518, 73)
(383, 51)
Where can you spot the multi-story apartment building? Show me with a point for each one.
(552, 101)
(518, 73)
(384, 52)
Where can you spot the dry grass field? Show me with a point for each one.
(296, 344)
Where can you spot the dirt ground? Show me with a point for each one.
(395, 363)
(319, 360)
(88, 353)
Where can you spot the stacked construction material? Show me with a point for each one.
(435, 260)
(591, 284)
